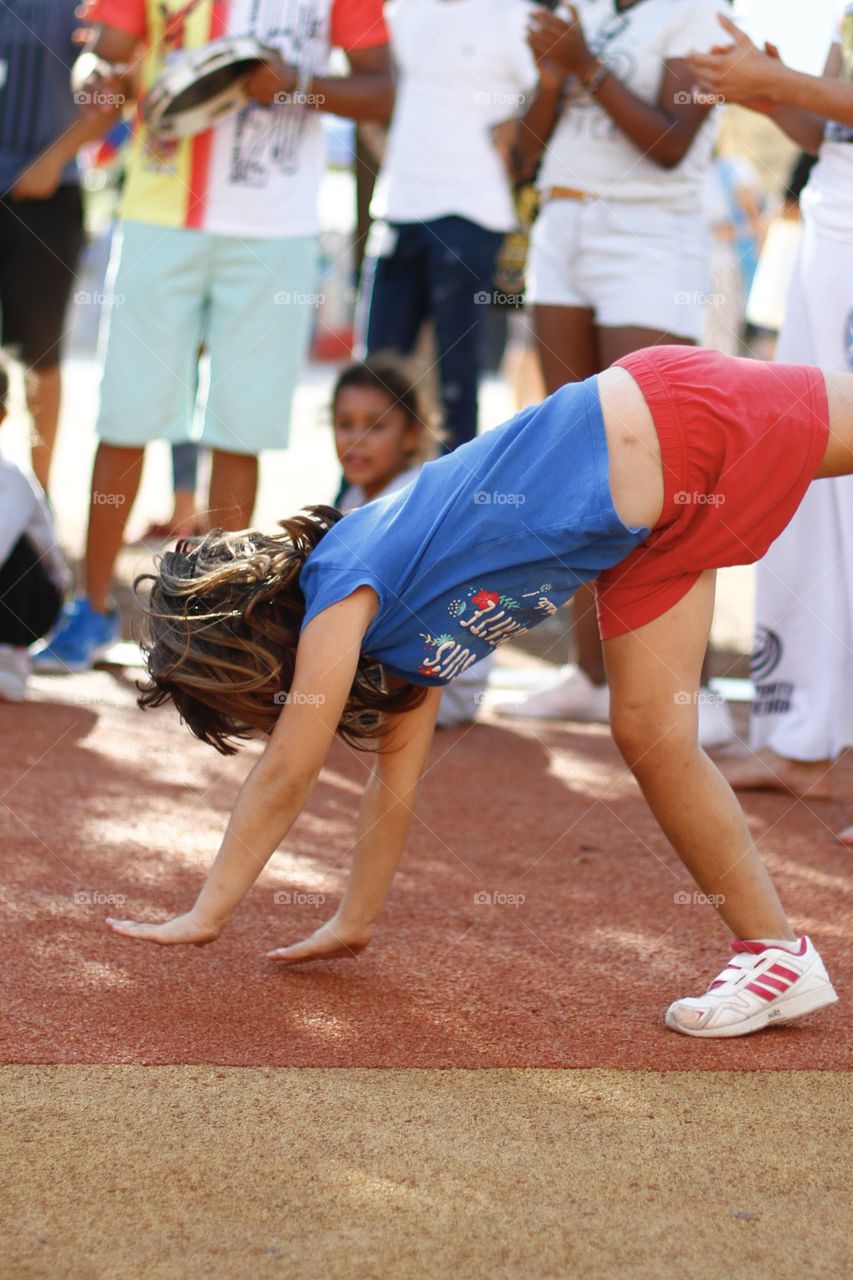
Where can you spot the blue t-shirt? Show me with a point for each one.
(36, 102)
(485, 543)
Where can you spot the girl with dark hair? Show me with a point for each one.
(642, 478)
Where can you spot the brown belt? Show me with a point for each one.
(568, 193)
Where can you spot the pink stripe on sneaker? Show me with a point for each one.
(773, 982)
(760, 991)
(783, 972)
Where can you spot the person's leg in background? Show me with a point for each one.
(802, 715)
(461, 261)
(263, 304)
(42, 241)
(395, 296)
(185, 460)
(152, 328)
(43, 388)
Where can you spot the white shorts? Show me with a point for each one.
(803, 658)
(630, 262)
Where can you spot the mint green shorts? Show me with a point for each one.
(252, 303)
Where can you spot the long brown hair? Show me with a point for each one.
(221, 627)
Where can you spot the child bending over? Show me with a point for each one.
(645, 479)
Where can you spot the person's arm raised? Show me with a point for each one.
(276, 790)
(101, 92)
(386, 815)
(799, 104)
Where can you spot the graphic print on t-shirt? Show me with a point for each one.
(482, 616)
(266, 139)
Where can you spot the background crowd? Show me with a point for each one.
(439, 189)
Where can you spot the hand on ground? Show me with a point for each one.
(332, 941)
(183, 929)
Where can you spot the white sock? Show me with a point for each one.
(787, 944)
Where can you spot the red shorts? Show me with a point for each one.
(741, 441)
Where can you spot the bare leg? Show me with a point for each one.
(115, 482)
(43, 391)
(838, 459)
(233, 487)
(654, 678)
(565, 344)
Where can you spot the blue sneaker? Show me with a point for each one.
(80, 639)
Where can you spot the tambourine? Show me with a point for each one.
(200, 87)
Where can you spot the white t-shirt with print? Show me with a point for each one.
(463, 65)
(827, 199)
(587, 150)
(255, 174)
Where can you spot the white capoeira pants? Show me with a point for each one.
(803, 658)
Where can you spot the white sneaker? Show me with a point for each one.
(716, 727)
(761, 986)
(572, 698)
(14, 672)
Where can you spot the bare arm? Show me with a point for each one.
(366, 94)
(799, 104)
(664, 130)
(384, 821)
(275, 792)
(537, 124)
(100, 98)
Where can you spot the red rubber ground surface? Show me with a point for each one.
(100, 801)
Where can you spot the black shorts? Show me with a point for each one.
(29, 600)
(40, 244)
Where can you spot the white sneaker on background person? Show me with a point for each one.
(575, 697)
(716, 727)
(572, 697)
(14, 672)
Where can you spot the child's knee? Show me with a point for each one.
(646, 731)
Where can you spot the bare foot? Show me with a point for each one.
(846, 836)
(766, 771)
